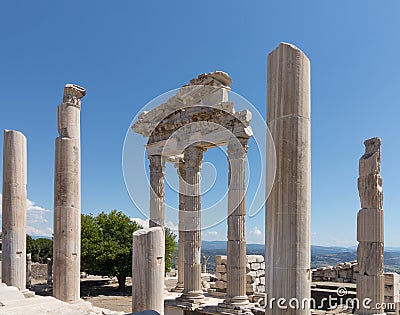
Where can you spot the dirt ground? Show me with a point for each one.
(102, 292)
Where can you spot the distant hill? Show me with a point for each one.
(320, 255)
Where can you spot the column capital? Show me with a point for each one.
(73, 94)
(157, 163)
(237, 149)
(193, 156)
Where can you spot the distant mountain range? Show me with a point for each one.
(320, 255)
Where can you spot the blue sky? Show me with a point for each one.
(125, 53)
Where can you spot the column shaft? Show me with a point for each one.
(236, 245)
(157, 165)
(181, 243)
(148, 266)
(192, 226)
(370, 230)
(67, 197)
(14, 210)
(287, 225)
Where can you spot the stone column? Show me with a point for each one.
(49, 271)
(181, 243)
(192, 293)
(204, 265)
(148, 267)
(67, 197)
(14, 210)
(157, 167)
(370, 234)
(287, 237)
(28, 270)
(236, 245)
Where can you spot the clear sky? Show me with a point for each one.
(125, 53)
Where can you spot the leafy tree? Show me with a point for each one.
(106, 245)
(40, 249)
(170, 249)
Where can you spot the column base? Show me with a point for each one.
(179, 288)
(191, 300)
(238, 305)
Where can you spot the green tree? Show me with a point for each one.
(106, 245)
(170, 249)
(40, 249)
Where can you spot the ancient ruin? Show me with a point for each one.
(197, 118)
(67, 197)
(14, 209)
(370, 236)
(287, 220)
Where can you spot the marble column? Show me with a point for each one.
(181, 243)
(67, 197)
(204, 265)
(148, 267)
(370, 234)
(14, 209)
(49, 271)
(236, 245)
(287, 238)
(157, 169)
(28, 270)
(192, 293)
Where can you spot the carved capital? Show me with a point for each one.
(157, 164)
(193, 156)
(73, 94)
(237, 149)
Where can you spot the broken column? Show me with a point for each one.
(14, 209)
(192, 294)
(236, 245)
(287, 226)
(67, 197)
(28, 270)
(49, 271)
(370, 237)
(204, 265)
(148, 267)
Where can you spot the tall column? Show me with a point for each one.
(236, 245)
(287, 238)
(157, 167)
(14, 209)
(192, 293)
(370, 236)
(67, 197)
(148, 267)
(181, 243)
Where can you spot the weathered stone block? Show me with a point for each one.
(370, 225)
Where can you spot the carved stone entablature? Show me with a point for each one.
(73, 94)
(217, 78)
(210, 90)
(182, 120)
